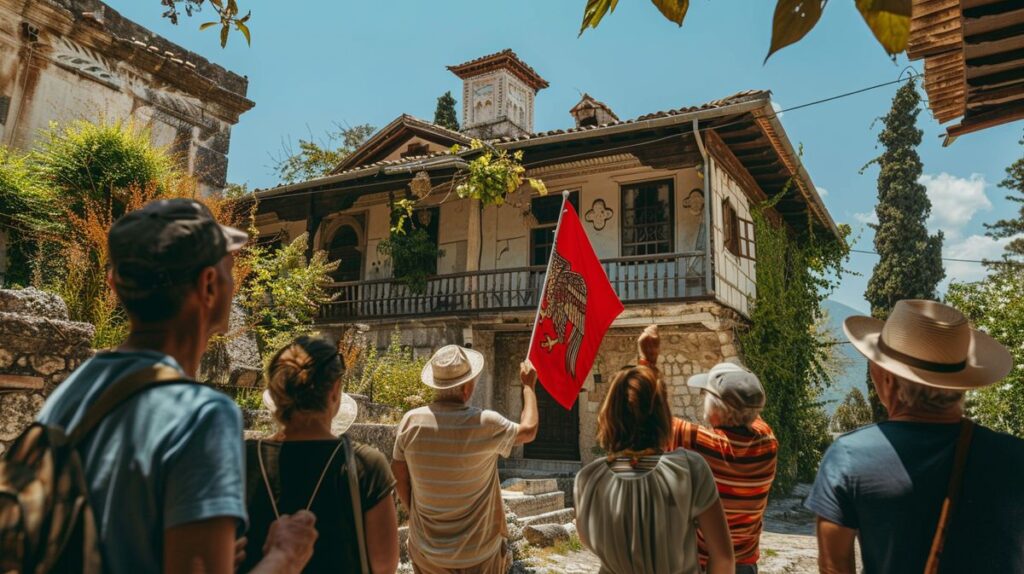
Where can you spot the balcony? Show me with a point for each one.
(642, 279)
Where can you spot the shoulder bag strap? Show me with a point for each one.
(952, 496)
(352, 471)
(123, 389)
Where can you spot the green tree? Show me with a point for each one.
(996, 306)
(1013, 257)
(445, 115)
(318, 158)
(27, 209)
(852, 414)
(910, 259)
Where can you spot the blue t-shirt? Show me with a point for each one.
(168, 456)
(888, 481)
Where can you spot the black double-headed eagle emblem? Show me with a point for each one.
(565, 302)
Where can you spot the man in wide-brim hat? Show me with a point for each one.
(446, 465)
(926, 487)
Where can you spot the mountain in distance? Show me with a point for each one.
(854, 371)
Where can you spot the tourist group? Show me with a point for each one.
(132, 467)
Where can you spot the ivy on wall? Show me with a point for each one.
(782, 345)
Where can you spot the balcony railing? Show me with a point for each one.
(648, 278)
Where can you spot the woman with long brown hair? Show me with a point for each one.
(636, 507)
(346, 484)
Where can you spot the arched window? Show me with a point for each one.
(344, 247)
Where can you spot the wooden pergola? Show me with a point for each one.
(973, 52)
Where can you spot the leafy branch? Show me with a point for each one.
(227, 16)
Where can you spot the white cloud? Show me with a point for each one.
(822, 191)
(972, 248)
(955, 200)
(778, 109)
(866, 217)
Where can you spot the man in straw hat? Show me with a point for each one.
(926, 489)
(445, 462)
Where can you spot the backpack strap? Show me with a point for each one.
(123, 389)
(956, 477)
(357, 508)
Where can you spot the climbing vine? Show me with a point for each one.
(488, 178)
(782, 345)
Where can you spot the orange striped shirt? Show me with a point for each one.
(743, 463)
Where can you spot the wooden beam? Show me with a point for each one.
(20, 383)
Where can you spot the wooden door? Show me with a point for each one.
(558, 435)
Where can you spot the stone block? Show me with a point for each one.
(544, 535)
(20, 383)
(403, 543)
(34, 303)
(19, 410)
(530, 485)
(47, 365)
(380, 437)
(525, 505)
(563, 516)
(6, 358)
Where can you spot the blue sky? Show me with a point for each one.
(315, 62)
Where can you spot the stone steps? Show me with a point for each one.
(526, 505)
(563, 516)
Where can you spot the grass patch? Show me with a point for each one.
(769, 552)
(564, 547)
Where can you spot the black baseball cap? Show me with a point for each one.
(167, 242)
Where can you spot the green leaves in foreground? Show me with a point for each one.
(889, 20)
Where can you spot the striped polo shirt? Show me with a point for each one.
(742, 461)
(457, 519)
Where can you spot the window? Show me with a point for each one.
(345, 249)
(5, 108)
(746, 228)
(647, 218)
(415, 149)
(542, 236)
(426, 219)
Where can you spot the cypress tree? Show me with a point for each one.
(1013, 256)
(444, 115)
(910, 260)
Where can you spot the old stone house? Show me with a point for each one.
(63, 60)
(648, 190)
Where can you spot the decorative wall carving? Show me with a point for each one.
(599, 214)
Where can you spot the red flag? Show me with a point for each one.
(577, 307)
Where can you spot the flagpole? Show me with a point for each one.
(544, 285)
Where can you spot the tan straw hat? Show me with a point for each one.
(346, 416)
(452, 366)
(932, 344)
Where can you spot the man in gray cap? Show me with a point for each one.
(737, 444)
(164, 468)
(445, 463)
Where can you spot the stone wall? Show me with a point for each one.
(39, 347)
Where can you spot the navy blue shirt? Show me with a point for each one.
(888, 481)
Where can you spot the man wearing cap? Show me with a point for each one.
(165, 469)
(926, 470)
(445, 462)
(737, 444)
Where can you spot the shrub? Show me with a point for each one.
(392, 377)
(284, 291)
(27, 208)
(852, 414)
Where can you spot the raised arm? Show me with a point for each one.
(529, 420)
(649, 347)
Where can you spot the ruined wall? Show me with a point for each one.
(39, 347)
(62, 60)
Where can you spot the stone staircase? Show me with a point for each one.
(536, 501)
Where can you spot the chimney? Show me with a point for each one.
(590, 112)
(498, 93)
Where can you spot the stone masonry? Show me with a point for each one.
(39, 347)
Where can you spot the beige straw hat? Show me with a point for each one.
(452, 366)
(932, 344)
(346, 416)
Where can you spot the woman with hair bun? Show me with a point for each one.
(636, 508)
(305, 465)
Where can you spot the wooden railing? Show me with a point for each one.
(649, 278)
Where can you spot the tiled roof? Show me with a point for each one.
(736, 98)
(496, 60)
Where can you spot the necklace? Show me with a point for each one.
(634, 456)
